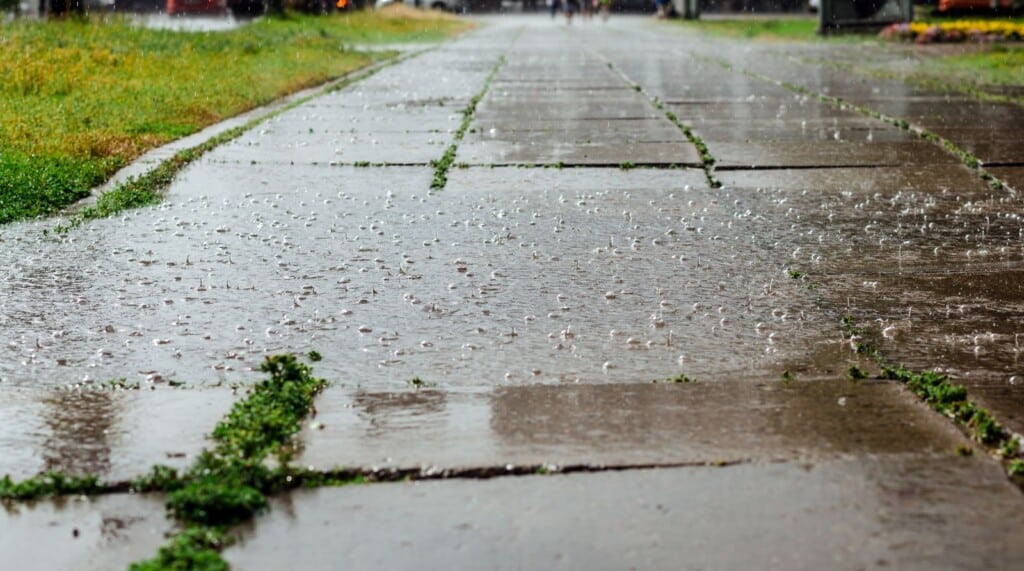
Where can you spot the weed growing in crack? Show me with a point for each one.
(856, 373)
(229, 484)
(1016, 468)
(197, 548)
(160, 478)
(444, 164)
(678, 379)
(418, 383)
(48, 485)
(946, 397)
(969, 159)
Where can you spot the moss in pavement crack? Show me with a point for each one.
(968, 158)
(229, 484)
(706, 158)
(48, 485)
(948, 398)
(444, 164)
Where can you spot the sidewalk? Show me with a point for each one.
(581, 247)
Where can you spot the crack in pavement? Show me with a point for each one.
(967, 158)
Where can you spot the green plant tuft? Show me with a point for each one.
(194, 549)
(856, 373)
(48, 485)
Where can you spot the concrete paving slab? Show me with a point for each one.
(763, 110)
(623, 424)
(938, 179)
(548, 150)
(556, 83)
(247, 260)
(784, 154)
(394, 147)
(824, 131)
(967, 323)
(116, 435)
(90, 534)
(571, 131)
(581, 111)
(854, 514)
(954, 113)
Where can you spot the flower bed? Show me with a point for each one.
(955, 31)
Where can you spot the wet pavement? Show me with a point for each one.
(577, 253)
(901, 512)
(108, 532)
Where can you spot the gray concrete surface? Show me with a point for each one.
(856, 514)
(538, 304)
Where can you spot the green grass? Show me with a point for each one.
(982, 72)
(762, 29)
(80, 99)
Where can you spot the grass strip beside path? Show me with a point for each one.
(989, 71)
(81, 99)
(760, 28)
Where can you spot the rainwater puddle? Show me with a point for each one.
(94, 534)
(618, 424)
(607, 276)
(114, 434)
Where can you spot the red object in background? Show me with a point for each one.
(196, 6)
(971, 5)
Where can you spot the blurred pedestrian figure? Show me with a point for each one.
(606, 7)
(587, 9)
(556, 5)
(662, 8)
(571, 7)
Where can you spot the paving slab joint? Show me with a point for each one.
(949, 399)
(967, 158)
(707, 159)
(444, 164)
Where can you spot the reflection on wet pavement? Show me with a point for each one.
(904, 512)
(930, 264)
(88, 534)
(114, 434)
(536, 305)
(390, 283)
(619, 424)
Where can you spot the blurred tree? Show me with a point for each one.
(10, 6)
(61, 7)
